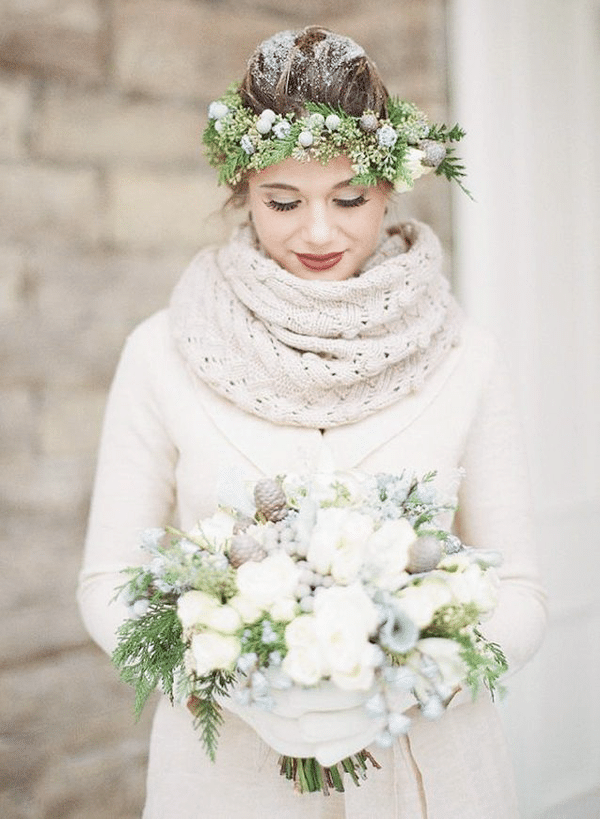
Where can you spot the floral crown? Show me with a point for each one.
(398, 148)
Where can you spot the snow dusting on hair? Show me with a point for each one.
(325, 49)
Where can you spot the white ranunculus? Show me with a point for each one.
(337, 543)
(446, 654)
(193, 608)
(387, 554)
(268, 581)
(211, 651)
(421, 602)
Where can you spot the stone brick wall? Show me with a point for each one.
(104, 197)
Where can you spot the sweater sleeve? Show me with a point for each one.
(494, 512)
(134, 484)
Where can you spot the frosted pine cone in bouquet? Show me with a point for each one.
(270, 499)
(342, 579)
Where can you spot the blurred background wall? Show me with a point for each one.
(104, 197)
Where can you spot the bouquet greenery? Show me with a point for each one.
(344, 579)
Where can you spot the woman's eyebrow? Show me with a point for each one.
(279, 185)
(284, 186)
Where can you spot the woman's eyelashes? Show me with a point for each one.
(343, 203)
(352, 203)
(281, 205)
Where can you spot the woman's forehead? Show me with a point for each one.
(292, 174)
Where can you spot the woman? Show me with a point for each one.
(313, 333)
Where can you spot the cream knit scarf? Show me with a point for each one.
(315, 353)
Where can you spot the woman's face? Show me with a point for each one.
(312, 221)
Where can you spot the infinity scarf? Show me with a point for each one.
(316, 353)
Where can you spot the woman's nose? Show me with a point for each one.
(318, 227)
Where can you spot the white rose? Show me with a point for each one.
(337, 543)
(272, 579)
(193, 607)
(247, 608)
(304, 665)
(211, 650)
(303, 661)
(387, 553)
(326, 487)
(301, 631)
(344, 619)
(215, 530)
(413, 164)
(421, 602)
(446, 654)
(474, 586)
(359, 675)
(348, 603)
(284, 609)
(224, 619)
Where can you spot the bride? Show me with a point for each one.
(316, 330)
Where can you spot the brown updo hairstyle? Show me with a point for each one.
(310, 65)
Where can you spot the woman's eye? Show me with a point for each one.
(351, 203)
(281, 205)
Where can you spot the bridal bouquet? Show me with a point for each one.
(342, 579)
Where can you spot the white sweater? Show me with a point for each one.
(167, 441)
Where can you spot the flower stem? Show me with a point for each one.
(309, 776)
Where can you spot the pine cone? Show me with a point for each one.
(244, 548)
(242, 523)
(270, 500)
(424, 554)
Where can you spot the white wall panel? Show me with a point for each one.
(525, 81)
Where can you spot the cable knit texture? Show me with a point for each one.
(316, 353)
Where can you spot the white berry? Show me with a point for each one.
(305, 139)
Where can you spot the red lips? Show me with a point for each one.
(326, 262)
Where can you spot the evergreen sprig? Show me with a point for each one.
(150, 651)
(485, 660)
(208, 715)
(451, 167)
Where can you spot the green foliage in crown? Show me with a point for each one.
(397, 149)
